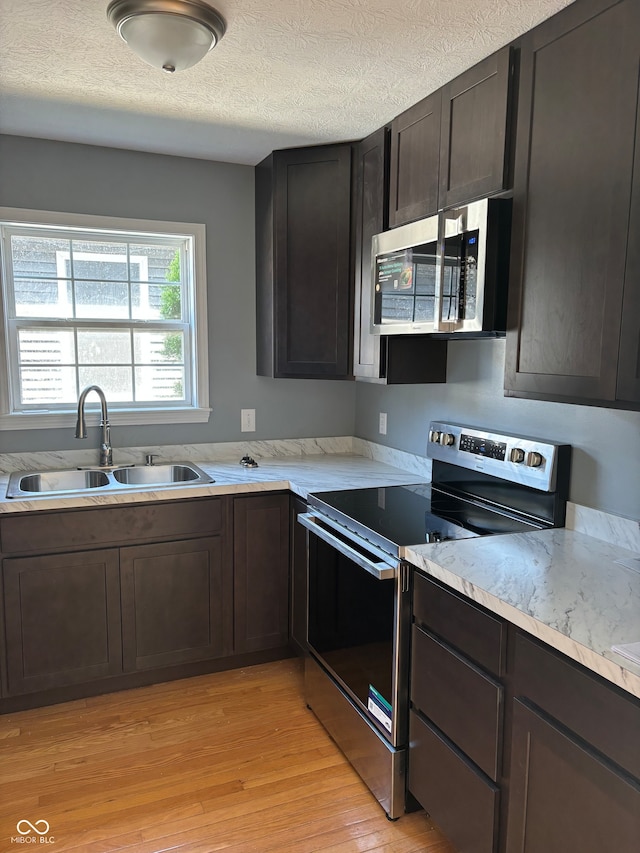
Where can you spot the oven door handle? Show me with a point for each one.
(381, 571)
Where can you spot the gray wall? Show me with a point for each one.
(606, 442)
(44, 175)
(61, 176)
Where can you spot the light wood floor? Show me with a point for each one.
(232, 761)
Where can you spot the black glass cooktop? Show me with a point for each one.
(411, 515)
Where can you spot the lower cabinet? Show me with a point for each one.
(174, 603)
(564, 795)
(456, 717)
(513, 746)
(181, 587)
(574, 775)
(261, 572)
(62, 619)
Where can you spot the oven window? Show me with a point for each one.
(351, 622)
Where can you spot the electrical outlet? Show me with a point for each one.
(247, 420)
(382, 423)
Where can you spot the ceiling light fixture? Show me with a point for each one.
(168, 34)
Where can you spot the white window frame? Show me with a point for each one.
(197, 361)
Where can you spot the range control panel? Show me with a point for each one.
(520, 459)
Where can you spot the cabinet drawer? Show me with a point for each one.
(463, 702)
(459, 799)
(465, 626)
(601, 714)
(108, 525)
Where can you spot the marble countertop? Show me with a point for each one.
(560, 585)
(299, 474)
(564, 587)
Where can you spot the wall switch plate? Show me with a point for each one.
(247, 420)
(382, 423)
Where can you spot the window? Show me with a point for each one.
(97, 301)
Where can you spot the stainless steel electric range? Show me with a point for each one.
(359, 587)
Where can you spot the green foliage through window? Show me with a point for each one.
(171, 309)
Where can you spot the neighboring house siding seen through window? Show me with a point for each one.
(103, 302)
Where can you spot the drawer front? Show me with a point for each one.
(459, 799)
(463, 702)
(463, 625)
(108, 525)
(581, 702)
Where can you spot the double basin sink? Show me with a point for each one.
(33, 483)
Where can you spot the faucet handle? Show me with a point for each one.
(149, 457)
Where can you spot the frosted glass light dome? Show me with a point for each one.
(169, 34)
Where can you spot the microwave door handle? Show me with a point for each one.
(453, 223)
(381, 571)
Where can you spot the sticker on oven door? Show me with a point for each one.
(379, 707)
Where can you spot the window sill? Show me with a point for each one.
(140, 417)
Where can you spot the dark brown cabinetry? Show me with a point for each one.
(62, 619)
(476, 139)
(389, 359)
(574, 327)
(575, 760)
(455, 753)
(455, 145)
(299, 582)
(261, 572)
(95, 593)
(303, 264)
(113, 597)
(415, 161)
(174, 603)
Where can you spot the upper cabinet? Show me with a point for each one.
(303, 262)
(574, 312)
(415, 157)
(476, 130)
(455, 145)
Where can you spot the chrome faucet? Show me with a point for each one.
(106, 457)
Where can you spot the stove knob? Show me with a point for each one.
(447, 439)
(516, 455)
(434, 436)
(534, 460)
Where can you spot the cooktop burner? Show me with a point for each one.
(397, 516)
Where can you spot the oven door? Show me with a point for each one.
(358, 624)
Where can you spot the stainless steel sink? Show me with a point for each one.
(40, 483)
(54, 482)
(155, 475)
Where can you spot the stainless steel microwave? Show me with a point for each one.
(446, 274)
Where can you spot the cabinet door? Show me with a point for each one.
(564, 797)
(299, 578)
(573, 173)
(62, 618)
(261, 572)
(475, 142)
(312, 270)
(175, 603)
(629, 359)
(370, 210)
(415, 156)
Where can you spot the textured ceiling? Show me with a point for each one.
(287, 72)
